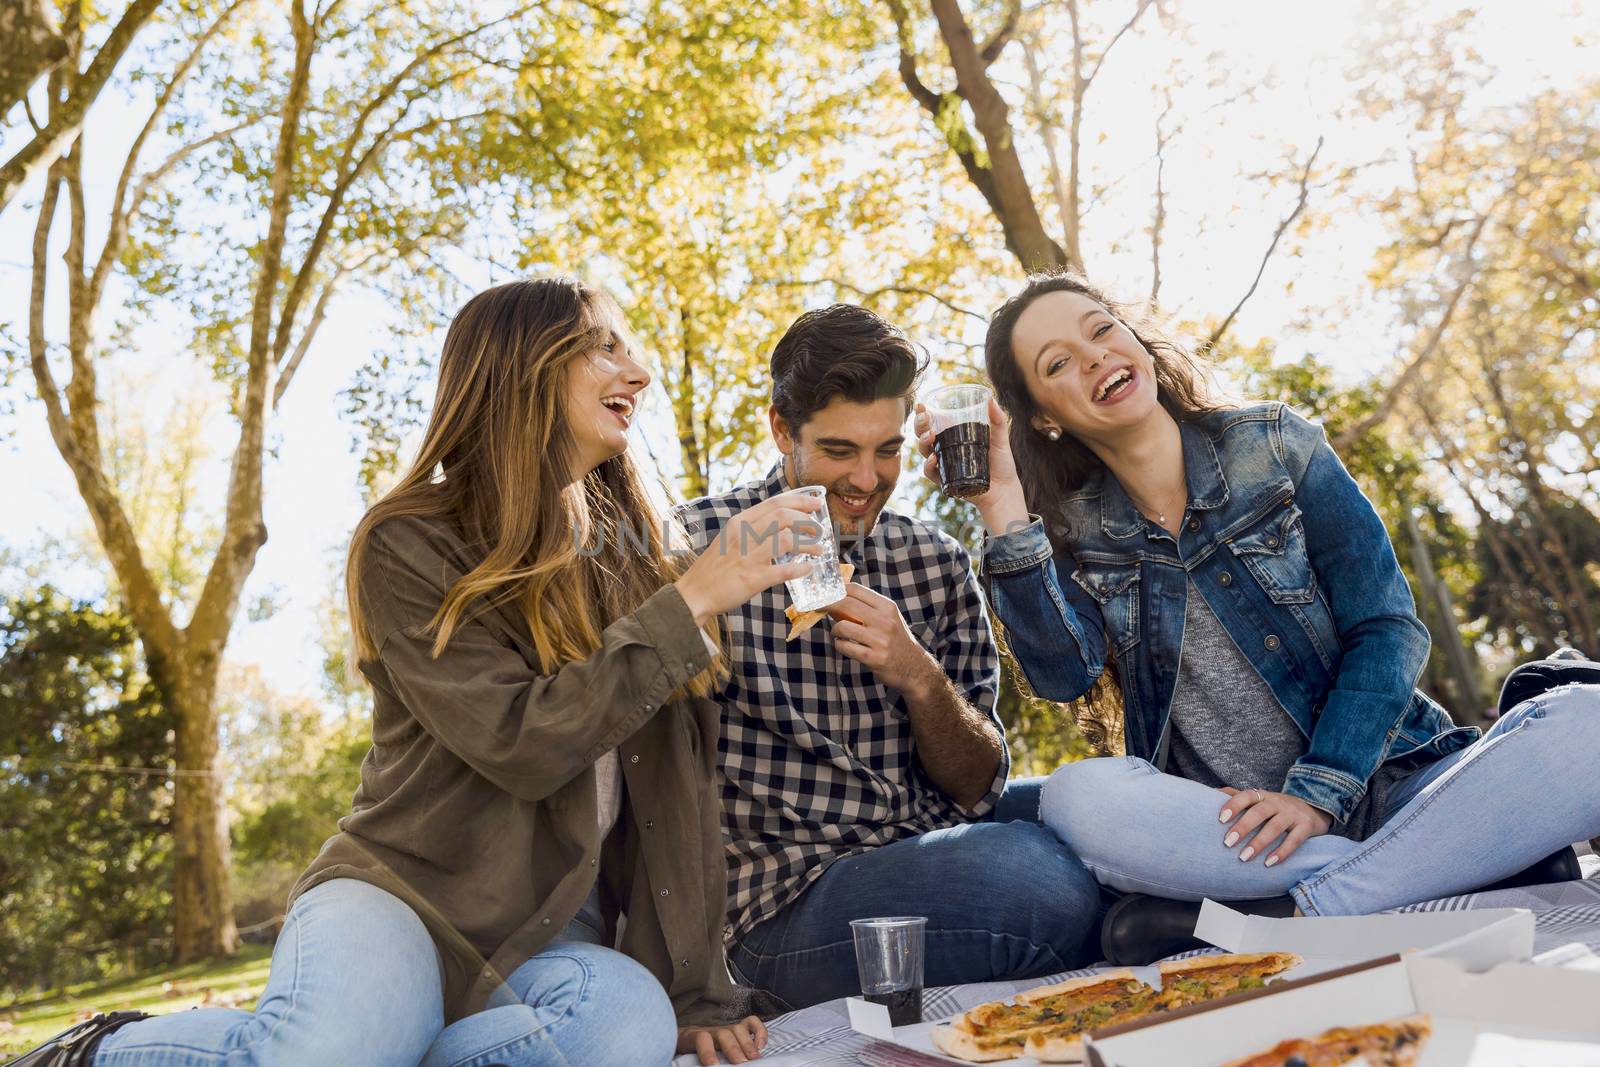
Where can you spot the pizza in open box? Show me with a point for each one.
(1048, 1023)
(1396, 1043)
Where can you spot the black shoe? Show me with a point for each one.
(1560, 866)
(75, 1047)
(1140, 929)
(1565, 666)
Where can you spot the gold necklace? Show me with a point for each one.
(1160, 515)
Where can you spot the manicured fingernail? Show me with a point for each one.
(1244, 857)
(1225, 816)
(1232, 839)
(1271, 860)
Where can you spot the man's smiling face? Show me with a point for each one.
(854, 449)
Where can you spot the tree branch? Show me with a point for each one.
(1144, 5)
(350, 167)
(243, 531)
(1283, 227)
(140, 593)
(45, 147)
(1353, 433)
(991, 49)
(121, 212)
(869, 294)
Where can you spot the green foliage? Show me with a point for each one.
(85, 856)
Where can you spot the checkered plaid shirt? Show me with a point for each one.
(817, 757)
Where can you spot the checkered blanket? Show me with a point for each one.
(820, 1036)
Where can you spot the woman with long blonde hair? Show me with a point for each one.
(532, 872)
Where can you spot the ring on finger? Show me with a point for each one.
(1258, 796)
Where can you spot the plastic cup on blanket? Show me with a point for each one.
(889, 960)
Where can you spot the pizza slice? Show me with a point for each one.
(1205, 978)
(1001, 1030)
(801, 621)
(1396, 1043)
(1183, 982)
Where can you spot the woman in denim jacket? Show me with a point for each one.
(1264, 637)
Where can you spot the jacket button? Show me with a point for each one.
(1194, 524)
(649, 824)
(683, 963)
(688, 665)
(1272, 642)
(488, 972)
(544, 922)
(633, 759)
(1226, 579)
(664, 892)
(649, 707)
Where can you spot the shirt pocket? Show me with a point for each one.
(1115, 586)
(1274, 551)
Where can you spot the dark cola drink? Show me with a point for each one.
(905, 1005)
(963, 451)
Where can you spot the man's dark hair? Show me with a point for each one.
(843, 350)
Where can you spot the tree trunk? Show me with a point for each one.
(203, 925)
(1018, 214)
(1463, 676)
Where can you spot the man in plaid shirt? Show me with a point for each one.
(862, 763)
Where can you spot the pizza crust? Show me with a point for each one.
(960, 1037)
(959, 1043)
(1269, 963)
(1072, 985)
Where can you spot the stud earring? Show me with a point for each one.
(1052, 433)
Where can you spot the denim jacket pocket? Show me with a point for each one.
(1116, 587)
(1275, 553)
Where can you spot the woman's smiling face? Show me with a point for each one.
(1088, 374)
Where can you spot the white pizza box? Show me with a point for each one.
(1476, 939)
(1513, 1013)
(1473, 939)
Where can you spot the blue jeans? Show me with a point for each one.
(1520, 792)
(355, 983)
(1002, 899)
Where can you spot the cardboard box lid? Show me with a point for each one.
(1538, 1011)
(1476, 939)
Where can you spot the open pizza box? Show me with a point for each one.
(1515, 1013)
(1473, 939)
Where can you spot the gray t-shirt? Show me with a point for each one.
(1227, 728)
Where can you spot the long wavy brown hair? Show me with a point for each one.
(572, 556)
(1050, 470)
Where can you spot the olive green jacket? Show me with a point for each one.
(478, 805)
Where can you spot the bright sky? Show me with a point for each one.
(1298, 50)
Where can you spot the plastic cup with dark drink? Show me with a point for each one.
(959, 418)
(889, 959)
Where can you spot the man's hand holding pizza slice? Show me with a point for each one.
(869, 628)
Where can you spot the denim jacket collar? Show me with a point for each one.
(1208, 488)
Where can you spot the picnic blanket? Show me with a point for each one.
(820, 1036)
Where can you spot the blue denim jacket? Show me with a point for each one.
(1295, 563)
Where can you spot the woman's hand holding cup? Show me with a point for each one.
(741, 562)
(1001, 505)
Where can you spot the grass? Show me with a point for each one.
(234, 983)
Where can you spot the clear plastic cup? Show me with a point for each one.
(889, 961)
(958, 415)
(824, 585)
